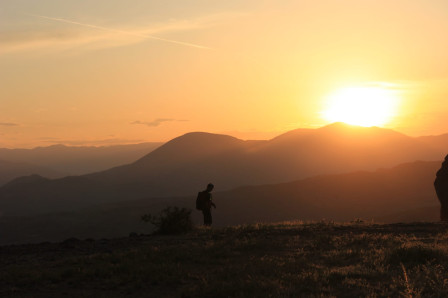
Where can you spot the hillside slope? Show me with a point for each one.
(367, 195)
(79, 160)
(11, 170)
(291, 259)
(401, 194)
(187, 163)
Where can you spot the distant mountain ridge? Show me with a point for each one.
(185, 164)
(403, 193)
(11, 170)
(78, 160)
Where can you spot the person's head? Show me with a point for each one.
(210, 187)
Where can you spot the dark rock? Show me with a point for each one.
(441, 186)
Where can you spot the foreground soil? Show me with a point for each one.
(293, 259)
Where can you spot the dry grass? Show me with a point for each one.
(290, 259)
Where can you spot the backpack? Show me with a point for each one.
(201, 200)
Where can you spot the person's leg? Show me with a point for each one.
(204, 213)
(207, 217)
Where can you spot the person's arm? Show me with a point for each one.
(211, 202)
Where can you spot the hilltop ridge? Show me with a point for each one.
(322, 258)
(182, 165)
(402, 193)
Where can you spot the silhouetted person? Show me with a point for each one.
(441, 186)
(204, 202)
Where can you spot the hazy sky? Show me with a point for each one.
(115, 71)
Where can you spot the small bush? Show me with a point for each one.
(172, 220)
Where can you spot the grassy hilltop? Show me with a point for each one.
(289, 259)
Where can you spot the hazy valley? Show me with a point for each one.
(336, 172)
(318, 130)
(58, 161)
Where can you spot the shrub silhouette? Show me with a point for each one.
(172, 220)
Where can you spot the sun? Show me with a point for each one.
(362, 106)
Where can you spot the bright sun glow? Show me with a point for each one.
(363, 106)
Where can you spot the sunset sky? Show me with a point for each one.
(109, 72)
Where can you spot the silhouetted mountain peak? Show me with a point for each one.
(342, 127)
(342, 134)
(203, 137)
(10, 170)
(184, 164)
(293, 134)
(347, 130)
(26, 180)
(194, 145)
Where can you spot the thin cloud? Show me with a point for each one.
(157, 122)
(101, 142)
(8, 124)
(63, 38)
(121, 31)
(56, 40)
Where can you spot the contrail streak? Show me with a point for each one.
(121, 31)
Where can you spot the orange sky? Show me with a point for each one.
(105, 72)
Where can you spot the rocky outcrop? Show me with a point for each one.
(441, 186)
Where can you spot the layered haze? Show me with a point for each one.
(264, 67)
(183, 165)
(58, 161)
(337, 172)
(111, 109)
(399, 194)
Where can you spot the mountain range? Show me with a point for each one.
(186, 164)
(10, 170)
(403, 193)
(380, 195)
(58, 161)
